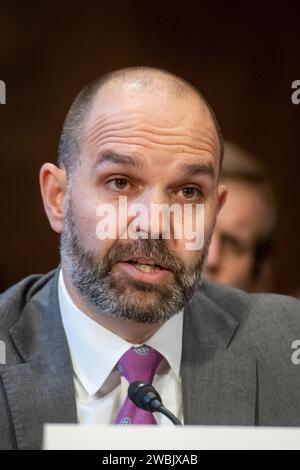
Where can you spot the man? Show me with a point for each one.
(76, 337)
(241, 250)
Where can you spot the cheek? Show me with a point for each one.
(88, 227)
(200, 223)
(196, 233)
(94, 218)
(240, 266)
(187, 256)
(86, 221)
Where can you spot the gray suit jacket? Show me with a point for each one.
(237, 366)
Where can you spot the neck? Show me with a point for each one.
(136, 333)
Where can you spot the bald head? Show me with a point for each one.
(131, 83)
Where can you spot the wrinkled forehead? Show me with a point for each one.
(159, 113)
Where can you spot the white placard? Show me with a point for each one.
(112, 437)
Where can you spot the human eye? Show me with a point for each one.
(118, 183)
(191, 192)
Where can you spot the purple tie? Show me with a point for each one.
(137, 364)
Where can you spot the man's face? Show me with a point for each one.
(239, 224)
(138, 145)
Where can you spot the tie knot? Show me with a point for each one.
(139, 364)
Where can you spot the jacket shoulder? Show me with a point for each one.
(264, 313)
(269, 332)
(14, 299)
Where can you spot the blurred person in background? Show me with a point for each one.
(241, 251)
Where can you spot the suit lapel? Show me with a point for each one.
(41, 389)
(218, 381)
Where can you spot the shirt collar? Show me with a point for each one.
(96, 350)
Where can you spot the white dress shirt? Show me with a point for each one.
(99, 389)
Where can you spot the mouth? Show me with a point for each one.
(145, 269)
(147, 264)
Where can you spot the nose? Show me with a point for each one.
(153, 218)
(213, 264)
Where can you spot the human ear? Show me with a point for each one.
(222, 196)
(53, 185)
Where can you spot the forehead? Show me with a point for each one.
(159, 121)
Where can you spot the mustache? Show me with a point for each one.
(145, 248)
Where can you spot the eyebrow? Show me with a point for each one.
(112, 157)
(201, 168)
(185, 170)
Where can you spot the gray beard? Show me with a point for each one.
(116, 295)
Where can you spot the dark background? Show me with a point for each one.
(243, 58)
